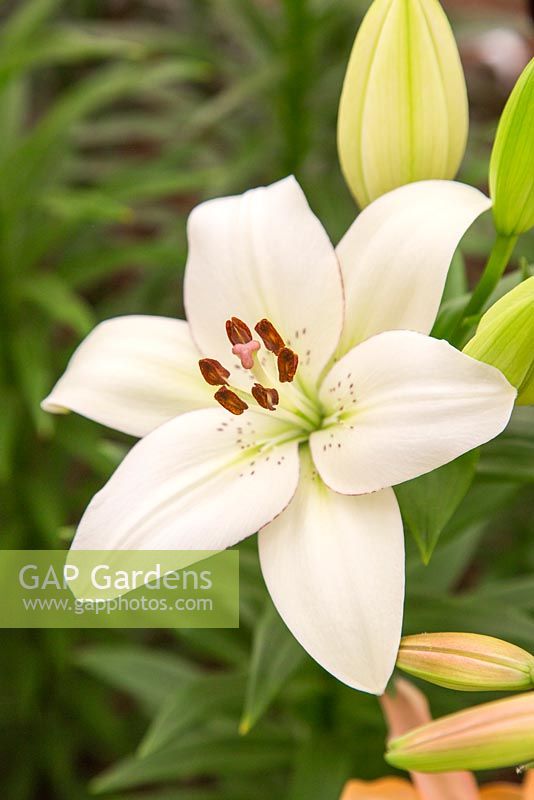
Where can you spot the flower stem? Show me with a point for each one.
(493, 272)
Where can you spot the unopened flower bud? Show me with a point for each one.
(466, 661)
(489, 736)
(505, 339)
(512, 161)
(403, 114)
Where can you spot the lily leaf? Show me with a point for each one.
(427, 503)
(275, 657)
(323, 765)
(149, 676)
(190, 706)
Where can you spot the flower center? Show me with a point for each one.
(245, 347)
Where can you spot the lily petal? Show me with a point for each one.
(260, 255)
(502, 791)
(197, 482)
(406, 404)
(529, 785)
(396, 255)
(382, 789)
(334, 567)
(132, 373)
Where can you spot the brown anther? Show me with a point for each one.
(237, 331)
(266, 398)
(230, 401)
(287, 365)
(213, 371)
(269, 336)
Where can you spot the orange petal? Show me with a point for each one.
(502, 791)
(528, 785)
(383, 789)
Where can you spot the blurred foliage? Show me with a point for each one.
(116, 118)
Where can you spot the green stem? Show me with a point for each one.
(493, 272)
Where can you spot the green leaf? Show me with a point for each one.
(220, 751)
(427, 503)
(515, 592)
(450, 315)
(60, 303)
(276, 655)
(451, 560)
(510, 457)
(194, 703)
(456, 284)
(31, 360)
(28, 19)
(9, 417)
(86, 206)
(425, 612)
(323, 766)
(149, 676)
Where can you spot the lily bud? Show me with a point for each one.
(512, 161)
(489, 736)
(403, 114)
(466, 661)
(504, 339)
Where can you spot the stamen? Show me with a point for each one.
(238, 331)
(287, 365)
(269, 336)
(245, 353)
(230, 401)
(266, 398)
(213, 372)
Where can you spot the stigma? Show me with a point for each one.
(245, 347)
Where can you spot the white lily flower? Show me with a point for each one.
(374, 402)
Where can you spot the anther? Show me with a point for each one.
(269, 336)
(213, 372)
(266, 398)
(287, 365)
(245, 353)
(237, 331)
(230, 401)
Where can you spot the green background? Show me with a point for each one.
(116, 118)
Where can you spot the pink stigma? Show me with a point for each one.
(245, 353)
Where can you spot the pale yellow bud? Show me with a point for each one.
(403, 115)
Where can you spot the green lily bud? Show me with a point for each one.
(489, 736)
(466, 661)
(403, 114)
(505, 337)
(512, 161)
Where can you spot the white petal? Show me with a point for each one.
(132, 374)
(407, 404)
(196, 482)
(264, 254)
(334, 566)
(396, 255)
